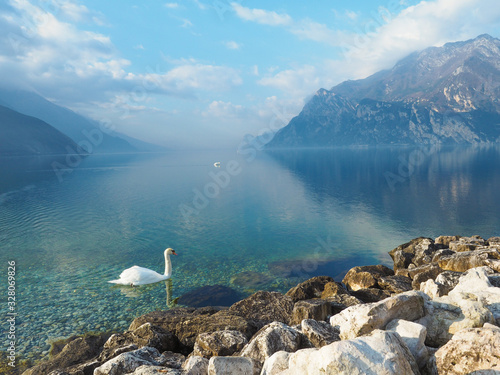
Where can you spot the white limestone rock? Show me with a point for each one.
(196, 365)
(128, 362)
(380, 352)
(276, 363)
(472, 350)
(362, 319)
(230, 366)
(413, 334)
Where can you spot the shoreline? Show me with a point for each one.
(317, 313)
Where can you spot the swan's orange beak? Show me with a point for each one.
(173, 252)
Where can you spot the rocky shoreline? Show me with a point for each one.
(436, 312)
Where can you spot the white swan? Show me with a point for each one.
(140, 276)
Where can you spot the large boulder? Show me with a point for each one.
(272, 338)
(423, 273)
(276, 364)
(463, 261)
(341, 302)
(145, 335)
(467, 243)
(195, 365)
(130, 361)
(417, 252)
(312, 288)
(187, 323)
(395, 283)
(368, 295)
(365, 276)
(75, 353)
(445, 240)
(413, 334)
(319, 333)
(362, 319)
(231, 366)
(220, 343)
(470, 350)
(333, 289)
(471, 304)
(264, 307)
(317, 309)
(380, 352)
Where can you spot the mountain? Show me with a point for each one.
(448, 95)
(26, 135)
(75, 126)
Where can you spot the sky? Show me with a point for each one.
(204, 73)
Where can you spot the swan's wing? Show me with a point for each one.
(138, 276)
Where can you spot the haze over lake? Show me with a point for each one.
(284, 215)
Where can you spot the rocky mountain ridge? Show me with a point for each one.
(448, 94)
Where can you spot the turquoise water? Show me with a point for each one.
(325, 210)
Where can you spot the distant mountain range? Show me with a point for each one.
(26, 135)
(79, 129)
(446, 95)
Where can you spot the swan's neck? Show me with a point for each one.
(168, 266)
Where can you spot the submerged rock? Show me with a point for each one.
(215, 295)
(251, 279)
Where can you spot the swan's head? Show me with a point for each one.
(170, 251)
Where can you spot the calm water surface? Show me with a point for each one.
(284, 215)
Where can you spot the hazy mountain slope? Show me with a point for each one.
(68, 122)
(26, 135)
(448, 94)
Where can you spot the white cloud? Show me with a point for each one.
(261, 16)
(172, 5)
(296, 82)
(232, 45)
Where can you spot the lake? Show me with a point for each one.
(277, 217)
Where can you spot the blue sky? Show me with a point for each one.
(203, 73)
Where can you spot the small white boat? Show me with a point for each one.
(217, 164)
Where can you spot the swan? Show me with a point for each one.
(140, 276)
(217, 164)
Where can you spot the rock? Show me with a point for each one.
(214, 295)
(128, 362)
(445, 240)
(187, 323)
(463, 261)
(341, 302)
(155, 370)
(441, 253)
(265, 307)
(251, 280)
(362, 319)
(494, 280)
(312, 288)
(332, 289)
(220, 343)
(433, 289)
(494, 241)
(467, 243)
(317, 309)
(365, 276)
(371, 294)
(77, 351)
(472, 303)
(276, 364)
(470, 350)
(145, 335)
(413, 334)
(449, 279)
(395, 283)
(379, 353)
(272, 338)
(418, 251)
(196, 365)
(230, 366)
(423, 273)
(319, 333)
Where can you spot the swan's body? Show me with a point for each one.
(140, 276)
(217, 164)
